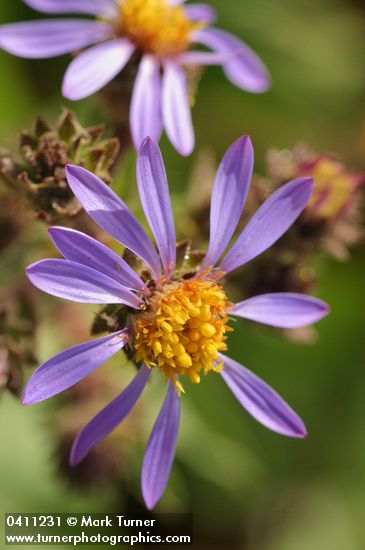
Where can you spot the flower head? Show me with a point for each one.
(334, 188)
(176, 324)
(335, 185)
(40, 178)
(159, 34)
(332, 220)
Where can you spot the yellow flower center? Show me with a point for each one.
(333, 188)
(156, 27)
(183, 330)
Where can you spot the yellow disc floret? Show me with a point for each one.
(155, 26)
(333, 188)
(183, 330)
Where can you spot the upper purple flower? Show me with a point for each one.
(161, 32)
(176, 324)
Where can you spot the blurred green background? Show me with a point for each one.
(248, 488)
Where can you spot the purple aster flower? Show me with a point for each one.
(176, 324)
(161, 32)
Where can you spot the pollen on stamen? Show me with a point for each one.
(183, 330)
(155, 26)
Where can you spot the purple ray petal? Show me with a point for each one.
(109, 418)
(49, 38)
(246, 70)
(160, 449)
(79, 283)
(146, 119)
(72, 365)
(200, 12)
(203, 58)
(91, 7)
(176, 109)
(80, 248)
(228, 197)
(269, 223)
(155, 199)
(282, 309)
(94, 68)
(112, 214)
(261, 401)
